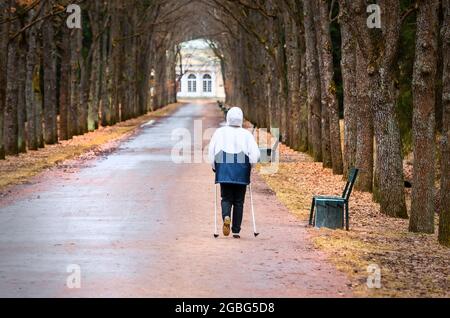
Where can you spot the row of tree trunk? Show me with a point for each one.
(57, 82)
(283, 75)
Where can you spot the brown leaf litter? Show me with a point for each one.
(412, 265)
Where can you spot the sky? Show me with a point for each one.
(199, 44)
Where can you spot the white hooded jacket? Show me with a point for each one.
(232, 139)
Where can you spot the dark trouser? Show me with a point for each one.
(233, 195)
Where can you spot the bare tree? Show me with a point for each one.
(349, 79)
(313, 82)
(444, 216)
(65, 115)
(12, 87)
(380, 48)
(4, 37)
(49, 65)
(422, 205)
(329, 99)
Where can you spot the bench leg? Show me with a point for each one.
(346, 217)
(312, 211)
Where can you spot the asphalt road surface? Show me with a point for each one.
(132, 223)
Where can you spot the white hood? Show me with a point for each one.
(233, 139)
(235, 117)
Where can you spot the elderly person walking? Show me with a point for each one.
(233, 151)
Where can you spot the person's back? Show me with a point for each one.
(232, 152)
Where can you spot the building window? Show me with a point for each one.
(207, 83)
(192, 83)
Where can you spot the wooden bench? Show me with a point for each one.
(335, 203)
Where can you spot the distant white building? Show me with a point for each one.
(200, 71)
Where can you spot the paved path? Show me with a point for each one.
(139, 225)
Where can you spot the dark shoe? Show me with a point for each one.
(236, 236)
(226, 226)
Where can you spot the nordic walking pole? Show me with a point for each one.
(253, 211)
(216, 235)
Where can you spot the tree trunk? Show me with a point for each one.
(364, 126)
(144, 75)
(114, 62)
(94, 80)
(32, 87)
(444, 215)
(133, 65)
(423, 88)
(21, 103)
(302, 123)
(283, 97)
(65, 130)
(39, 116)
(94, 92)
(12, 89)
(389, 157)
(75, 72)
(49, 65)
(85, 65)
(293, 59)
(4, 36)
(313, 81)
(325, 117)
(105, 84)
(349, 82)
(380, 48)
(301, 126)
(329, 89)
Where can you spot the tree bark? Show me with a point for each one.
(21, 103)
(105, 83)
(349, 82)
(389, 157)
(301, 126)
(32, 86)
(114, 63)
(94, 92)
(38, 112)
(65, 130)
(49, 65)
(380, 48)
(94, 81)
(444, 215)
(12, 89)
(144, 74)
(302, 122)
(4, 36)
(329, 88)
(75, 72)
(364, 126)
(313, 81)
(85, 65)
(423, 87)
(295, 52)
(325, 115)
